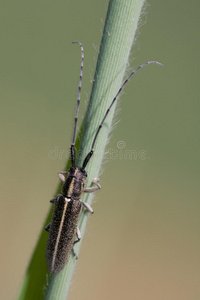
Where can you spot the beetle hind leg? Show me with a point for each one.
(78, 233)
(74, 253)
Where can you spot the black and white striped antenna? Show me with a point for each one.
(77, 106)
(109, 108)
(89, 155)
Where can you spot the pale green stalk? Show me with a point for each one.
(120, 26)
(119, 31)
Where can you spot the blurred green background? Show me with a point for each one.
(143, 240)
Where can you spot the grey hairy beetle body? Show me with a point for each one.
(63, 228)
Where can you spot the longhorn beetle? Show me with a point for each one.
(67, 206)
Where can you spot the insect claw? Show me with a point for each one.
(96, 179)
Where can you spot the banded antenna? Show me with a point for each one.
(77, 106)
(108, 110)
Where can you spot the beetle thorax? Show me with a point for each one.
(74, 184)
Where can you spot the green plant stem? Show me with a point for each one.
(118, 35)
(120, 26)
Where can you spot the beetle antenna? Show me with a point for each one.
(89, 155)
(77, 106)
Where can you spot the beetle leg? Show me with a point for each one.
(74, 253)
(87, 206)
(78, 233)
(61, 176)
(48, 227)
(93, 188)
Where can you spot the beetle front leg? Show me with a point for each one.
(61, 175)
(93, 188)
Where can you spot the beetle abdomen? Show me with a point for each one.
(62, 233)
